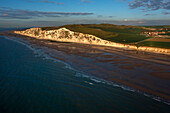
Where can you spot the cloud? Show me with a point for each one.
(149, 14)
(33, 1)
(166, 13)
(140, 22)
(10, 13)
(46, 1)
(111, 16)
(20, 23)
(125, 20)
(85, 1)
(149, 5)
(100, 16)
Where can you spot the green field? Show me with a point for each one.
(166, 34)
(164, 26)
(120, 34)
(116, 33)
(155, 44)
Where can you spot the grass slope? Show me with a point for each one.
(120, 34)
(155, 44)
(116, 33)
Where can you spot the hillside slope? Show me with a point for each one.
(66, 35)
(115, 33)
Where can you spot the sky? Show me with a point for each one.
(38, 13)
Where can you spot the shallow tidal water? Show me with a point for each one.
(30, 83)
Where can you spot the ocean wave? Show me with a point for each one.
(123, 87)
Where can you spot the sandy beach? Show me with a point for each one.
(143, 71)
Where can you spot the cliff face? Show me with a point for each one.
(65, 35)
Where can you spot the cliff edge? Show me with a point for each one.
(66, 35)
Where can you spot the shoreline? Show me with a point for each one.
(114, 65)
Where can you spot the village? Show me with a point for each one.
(157, 33)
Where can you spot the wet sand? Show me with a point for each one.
(144, 71)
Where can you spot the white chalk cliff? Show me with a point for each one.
(65, 35)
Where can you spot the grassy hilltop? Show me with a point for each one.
(116, 33)
(122, 34)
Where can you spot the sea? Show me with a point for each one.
(31, 82)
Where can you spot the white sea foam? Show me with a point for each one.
(97, 80)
